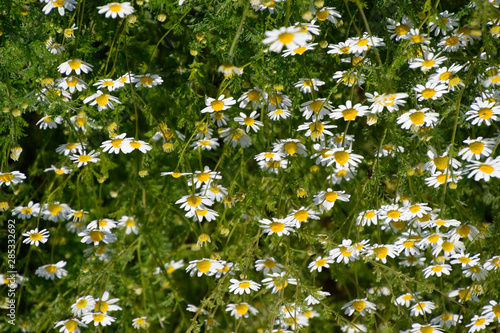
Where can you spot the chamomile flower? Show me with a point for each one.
(476, 148)
(299, 50)
(406, 299)
(422, 307)
(364, 43)
(278, 100)
(418, 118)
(452, 42)
(103, 100)
(447, 320)
(415, 37)
(443, 23)
(70, 325)
(114, 9)
(492, 310)
(206, 214)
(109, 84)
(492, 264)
(206, 144)
(83, 158)
(26, 212)
(302, 215)
(483, 111)
(98, 318)
(429, 328)
(429, 60)
(344, 252)
(317, 129)
(464, 231)
(326, 199)
(55, 211)
(342, 157)
(464, 259)
(140, 145)
(277, 226)
(319, 108)
(484, 170)
(440, 162)
(83, 305)
(437, 270)
(117, 144)
(206, 176)
(13, 177)
(245, 286)
(255, 97)
(51, 271)
(76, 65)
(341, 48)
(431, 91)
(349, 111)
(354, 328)
(479, 323)
(306, 85)
(61, 6)
(268, 265)
(399, 30)
(391, 102)
(279, 114)
(35, 237)
(349, 78)
(241, 310)
(219, 104)
(325, 13)
(382, 251)
(475, 272)
(235, 136)
(69, 148)
(205, 266)
(71, 83)
(49, 122)
(277, 281)
(289, 37)
(359, 305)
(129, 223)
(367, 218)
(250, 121)
(319, 263)
(70, 32)
(147, 80)
(53, 47)
(316, 297)
(439, 178)
(141, 322)
(194, 202)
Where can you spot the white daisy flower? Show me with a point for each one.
(268, 265)
(36, 237)
(129, 223)
(306, 85)
(205, 266)
(302, 215)
(82, 158)
(117, 144)
(277, 226)
(76, 65)
(291, 37)
(250, 121)
(479, 323)
(299, 50)
(483, 111)
(241, 310)
(98, 318)
(278, 114)
(61, 6)
(255, 97)
(476, 148)
(483, 170)
(326, 199)
(422, 307)
(319, 263)
(245, 286)
(431, 90)
(114, 9)
(24, 213)
(52, 271)
(349, 111)
(69, 325)
(96, 236)
(359, 305)
(219, 104)
(109, 84)
(147, 80)
(418, 118)
(103, 100)
(277, 281)
(55, 212)
(50, 122)
(83, 305)
(437, 270)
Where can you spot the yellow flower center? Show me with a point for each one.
(381, 252)
(54, 209)
(369, 215)
(426, 329)
(437, 269)
(253, 95)
(320, 262)
(242, 309)
(428, 93)
(341, 157)
(290, 147)
(394, 214)
(417, 39)
(479, 322)
(217, 105)
(301, 215)
(99, 317)
(475, 269)
(362, 42)
(447, 246)
(139, 321)
(277, 227)
(463, 230)
(36, 236)
(204, 265)
(464, 260)
(236, 134)
(407, 297)
(275, 99)
(116, 8)
(51, 269)
(398, 224)
(101, 306)
(84, 158)
(409, 244)
(344, 252)
(285, 38)
(464, 294)
(117, 143)
(496, 310)
(130, 223)
(433, 238)
(74, 64)
(102, 99)
(331, 196)
(72, 81)
(476, 147)
(428, 63)
(453, 40)
(486, 168)
(402, 29)
(135, 144)
(194, 201)
(26, 210)
(350, 114)
(278, 285)
(96, 235)
(269, 263)
(244, 285)
(203, 176)
(146, 80)
(322, 14)
(81, 303)
(441, 163)
(249, 121)
(300, 50)
(71, 325)
(485, 113)
(359, 305)
(6, 177)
